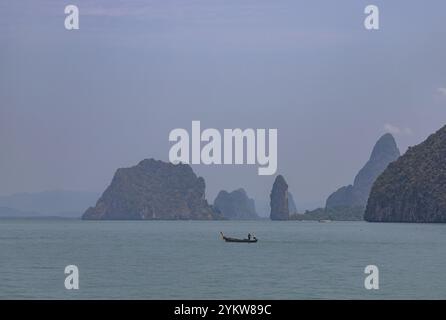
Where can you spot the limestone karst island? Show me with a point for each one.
(389, 188)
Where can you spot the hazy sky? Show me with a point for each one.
(76, 105)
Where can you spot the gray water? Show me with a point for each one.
(188, 260)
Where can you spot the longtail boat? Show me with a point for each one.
(228, 239)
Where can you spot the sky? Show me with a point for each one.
(76, 105)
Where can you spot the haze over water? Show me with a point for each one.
(188, 260)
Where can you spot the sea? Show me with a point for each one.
(189, 260)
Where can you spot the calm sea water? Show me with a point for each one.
(188, 260)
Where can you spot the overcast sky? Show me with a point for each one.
(76, 105)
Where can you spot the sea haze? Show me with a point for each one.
(54, 203)
(188, 260)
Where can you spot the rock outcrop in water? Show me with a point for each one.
(279, 200)
(413, 188)
(356, 195)
(334, 214)
(235, 205)
(153, 190)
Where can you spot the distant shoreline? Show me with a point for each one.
(55, 218)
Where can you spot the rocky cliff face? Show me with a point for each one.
(235, 205)
(384, 152)
(279, 200)
(153, 190)
(291, 204)
(413, 188)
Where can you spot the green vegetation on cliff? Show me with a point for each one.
(413, 188)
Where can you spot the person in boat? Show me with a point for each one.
(249, 236)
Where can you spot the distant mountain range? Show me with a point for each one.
(384, 152)
(235, 205)
(407, 188)
(56, 203)
(349, 202)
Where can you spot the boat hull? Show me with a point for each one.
(240, 240)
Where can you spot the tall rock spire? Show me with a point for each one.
(279, 200)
